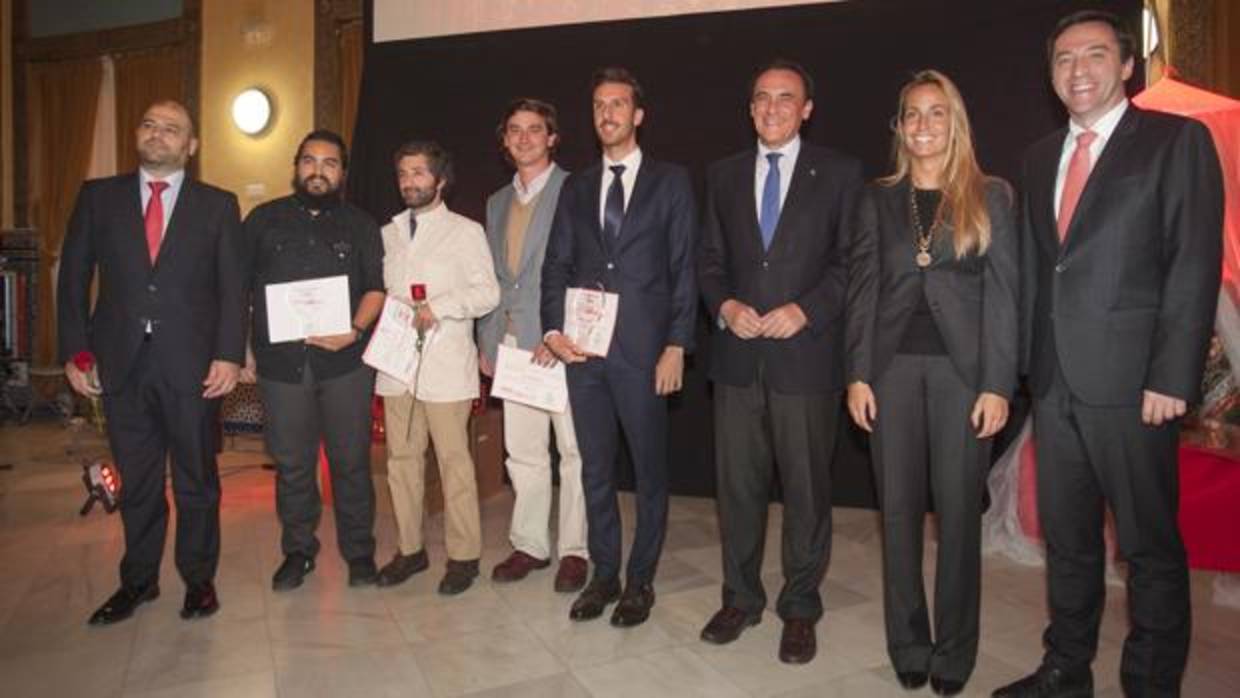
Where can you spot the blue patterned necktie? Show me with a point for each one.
(769, 217)
(613, 211)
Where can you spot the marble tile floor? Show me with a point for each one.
(494, 640)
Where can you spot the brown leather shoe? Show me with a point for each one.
(517, 566)
(799, 643)
(593, 601)
(571, 576)
(727, 623)
(401, 568)
(634, 607)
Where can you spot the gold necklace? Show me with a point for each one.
(921, 237)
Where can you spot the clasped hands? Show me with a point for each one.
(745, 322)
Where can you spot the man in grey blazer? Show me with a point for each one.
(518, 223)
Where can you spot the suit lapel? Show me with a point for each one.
(643, 189)
(1044, 170)
(805, 172)
(133, 226)
(504, 206)
(540, 221)
(1101, 174)
(180, 214)
(594, 189)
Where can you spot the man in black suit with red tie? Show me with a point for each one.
(625, 225)
(772, 270)
(1122, 253)
(168, 337)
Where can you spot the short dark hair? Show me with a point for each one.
(807, 80)
(1123, 34)
(622, 76)
(437, 159)
(535, 106)
(325, 136)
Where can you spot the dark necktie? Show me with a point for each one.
(413, 225)
(154, 218)
(613, 211)
(769, 217)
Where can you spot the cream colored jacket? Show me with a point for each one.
(449, 254)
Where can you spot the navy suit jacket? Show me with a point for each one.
(193, 296)
(650, 263)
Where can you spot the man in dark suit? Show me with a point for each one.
(1122, 245)
(772, 271)
(625, 225)
(168, 334)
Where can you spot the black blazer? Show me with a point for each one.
(194, 296)
(650, 265)
(973, 299)
(805, 264)
(1127, 302)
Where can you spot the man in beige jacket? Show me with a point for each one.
(447, 254)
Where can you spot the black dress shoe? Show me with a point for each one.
(292, 572)
(798, 643)
(595, 598)
(200, 601)
(634, 607)
(402, 567)
(121, 604)
(727, 623)
(912, 680)
(945, 687)
(1050, 682)
(362, 572)
(458, 576)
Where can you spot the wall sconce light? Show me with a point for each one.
(251, 111)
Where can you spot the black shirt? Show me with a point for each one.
(288, 243)
(921, 335)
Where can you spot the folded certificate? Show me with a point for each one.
(590, 319)
(310, 308)
(393, 347)
(519, 379)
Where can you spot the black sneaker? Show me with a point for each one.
(292, 572)
(362, 572)
(458, 577)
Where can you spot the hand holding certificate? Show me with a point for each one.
(590, 319)
(519, 379)
(394, 346)
(309, 308)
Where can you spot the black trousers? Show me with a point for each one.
(757, 430)
(151, 424)
(922, 443)
(608, 396)
(337, 412)
(1090, 457)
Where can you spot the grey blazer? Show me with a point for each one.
(520, 295)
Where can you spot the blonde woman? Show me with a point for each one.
(932, 337)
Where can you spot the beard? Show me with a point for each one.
(316, 202)
(417, 197)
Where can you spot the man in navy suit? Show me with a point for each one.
(626, 226)
(168, 333)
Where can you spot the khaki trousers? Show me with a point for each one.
(527, 438)
(412, 425)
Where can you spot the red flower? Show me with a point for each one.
(418, 291)
(84, 361)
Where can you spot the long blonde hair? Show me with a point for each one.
(964, 183)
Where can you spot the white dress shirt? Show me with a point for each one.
(168, 197)
(526, 194)
(1104, 127)
(632, 162)
(789, 151)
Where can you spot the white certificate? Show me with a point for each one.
(393, 347)
(519, 379)
(590, 319)
(310, 308)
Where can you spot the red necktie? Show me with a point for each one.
(155, 218)
(1074, 182)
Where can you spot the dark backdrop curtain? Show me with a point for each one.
(696, 71)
